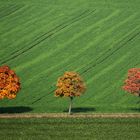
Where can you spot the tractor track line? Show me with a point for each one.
(14, 11)
(85, 71)
(48, 36)
(97, 63)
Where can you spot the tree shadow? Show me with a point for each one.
(135, 109)
(15, 109)
(81, 109)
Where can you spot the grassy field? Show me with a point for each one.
(70, 129)
(42, 39)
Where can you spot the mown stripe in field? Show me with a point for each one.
(22, 37)
(33, 41)
(75, 56)
(24, 19)
(106, 91)
(43, 96)
(49, 34)
(104, 72)
(21, 18)
(71, 40)
(119, 61)
(23, 29)
(106, 69)
(111, 30)
(7, 12)
(30, 33)
(98, 61)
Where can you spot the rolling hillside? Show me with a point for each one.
(42, 39)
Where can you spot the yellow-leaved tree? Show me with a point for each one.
(70, 85)
(9, 83)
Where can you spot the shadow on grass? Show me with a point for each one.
(135, 109)
(15, 109)
(81, 110)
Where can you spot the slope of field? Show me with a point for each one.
(42, 39)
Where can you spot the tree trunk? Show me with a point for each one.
(70, 106)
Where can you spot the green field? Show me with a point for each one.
(70, 129)
(99, 39)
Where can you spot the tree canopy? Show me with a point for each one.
(70, 85)
(132, 83)
(9, 83)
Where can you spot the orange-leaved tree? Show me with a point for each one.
(132, 83)
(9, 83)
(70, 85)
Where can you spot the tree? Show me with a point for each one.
(70, 85)
(9, 83)
(132, 83)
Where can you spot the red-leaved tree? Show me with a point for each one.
(9, 83)
(70, 85)
(132, 83)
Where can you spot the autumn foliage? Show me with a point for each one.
(70, 85)
(9, 83)
(132, 83)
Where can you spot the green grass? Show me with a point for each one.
(42, 39)
(70, 129)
